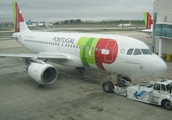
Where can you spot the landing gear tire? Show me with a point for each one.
(80, 69)
(126, 78)
(167, 105)
(108, 86)
(121, 81)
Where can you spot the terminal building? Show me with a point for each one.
(162, 29)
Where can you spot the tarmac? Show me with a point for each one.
(73, 96)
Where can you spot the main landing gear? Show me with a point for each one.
(122, 81)
(80, 69)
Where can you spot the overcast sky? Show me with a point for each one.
(54, 10)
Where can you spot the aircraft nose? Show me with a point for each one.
(158, 67)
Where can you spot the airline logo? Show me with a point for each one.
(148, 20)
(97, 51)
(18, 17)
(140, 95)
(63, 40)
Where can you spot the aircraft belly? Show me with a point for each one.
(127, 66)
(94, 66)
(115, 67)
(134, 68)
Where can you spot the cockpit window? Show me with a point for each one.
(130, 51)
(146, 51)
(137, 52)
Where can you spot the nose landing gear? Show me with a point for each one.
(123, 81)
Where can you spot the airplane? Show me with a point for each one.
(40, 24)
(46, 24)
(30, 23)
(121, 55)
(43, 24)
(125, 25)
(148, 22)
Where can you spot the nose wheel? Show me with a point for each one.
(108, 86)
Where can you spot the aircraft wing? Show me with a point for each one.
(50, 56)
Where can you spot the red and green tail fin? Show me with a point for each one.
(19, 22)
(148, 20)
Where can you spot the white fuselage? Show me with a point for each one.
(124, 25)
(86, 50)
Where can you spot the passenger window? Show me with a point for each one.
(156, 87)
(130, 51)
(137, 52)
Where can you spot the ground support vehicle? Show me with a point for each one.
(158, 93)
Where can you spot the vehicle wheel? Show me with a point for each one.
(167, 105)
(108, 86)
(112, 85)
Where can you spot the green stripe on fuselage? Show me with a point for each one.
(87, 54)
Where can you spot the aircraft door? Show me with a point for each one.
(110, 51)
(106, 52)
(156, 93)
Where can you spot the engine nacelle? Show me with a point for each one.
(43, 73)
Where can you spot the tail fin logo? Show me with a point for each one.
(18, 17)
(148, 20)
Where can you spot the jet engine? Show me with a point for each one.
(43, 73)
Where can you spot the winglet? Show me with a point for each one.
(19, 22)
